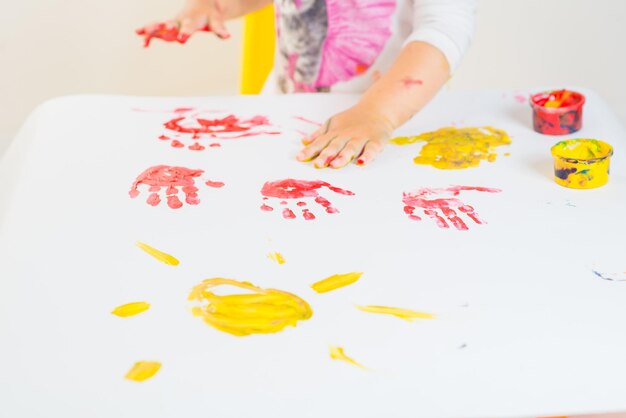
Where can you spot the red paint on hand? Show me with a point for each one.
(434, 204)
(289, 190)
(166, 32)
(171, 178)
(411, 82)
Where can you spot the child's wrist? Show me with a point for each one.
(375, 113)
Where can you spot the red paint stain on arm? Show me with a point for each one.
(409, 82)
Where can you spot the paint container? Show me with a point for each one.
(581, 163)
(557, 112)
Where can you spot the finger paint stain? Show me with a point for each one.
(457, 148)
(171, 179)
(406, 314)
(130, 309)
(336, 281)
(143, 370)
(258, 311)
(337, 353)
(276, 257)
(411, 82)
(441, 205)
(612, 277)
(290, 190)
(159, 255)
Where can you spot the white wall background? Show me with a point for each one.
(50, 48)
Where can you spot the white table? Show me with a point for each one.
(524, 327)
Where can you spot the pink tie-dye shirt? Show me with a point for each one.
(338, 45)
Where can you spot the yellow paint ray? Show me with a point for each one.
(159, 255)
(276, 257)
(131, 309)
(407, 314)
(457, 148)
(337, 353)
(336, 281)
(264, 311)
(143, 370)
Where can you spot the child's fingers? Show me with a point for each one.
(353, 148)
(314, 148)
(330, 152)
(370, 152)
(216, 24)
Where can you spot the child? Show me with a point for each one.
(398, 53)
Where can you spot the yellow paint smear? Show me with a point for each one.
(261, 311)
(456, 148)
(335, 282)
(276, 257)
(159, 255)
(131, 309)
(407, 314)
(337, 353)
(143, 370)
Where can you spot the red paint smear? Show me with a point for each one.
(196, 147)
(164, 138)
(266, 208)
(215, 145)
(410, 82)
(360, 161)
(177, 144)
(229, 124)
(300, 189)
(170, 178)
(303, 119)
(165, 32)
(288, 214)
(183, 109)
(520, 98)
(216, 184)
(442, 210)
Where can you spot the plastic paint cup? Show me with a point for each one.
(581, 163)
(557, 112)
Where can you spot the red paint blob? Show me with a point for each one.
(564, 119)
(289, 189)
(177, 144)
(164, 138)
(215, 184)
(360, 161)
(215, 145)
(440, 205)
(196, 147)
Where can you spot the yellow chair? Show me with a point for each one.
(258, 49)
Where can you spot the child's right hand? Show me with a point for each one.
(196, 15)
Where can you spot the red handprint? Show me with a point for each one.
(171, 178)
(166, 31)
(195, 125)
(432, 204)
(299, 189)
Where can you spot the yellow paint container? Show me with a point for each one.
(581, 163)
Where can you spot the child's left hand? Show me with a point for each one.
(357, 133)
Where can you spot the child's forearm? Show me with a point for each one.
(239, 8)
(412, 81)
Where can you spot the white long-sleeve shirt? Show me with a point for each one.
(339, 45)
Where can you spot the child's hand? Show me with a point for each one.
(358, 133)
(196, 16)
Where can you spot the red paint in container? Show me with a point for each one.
(557, 112)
